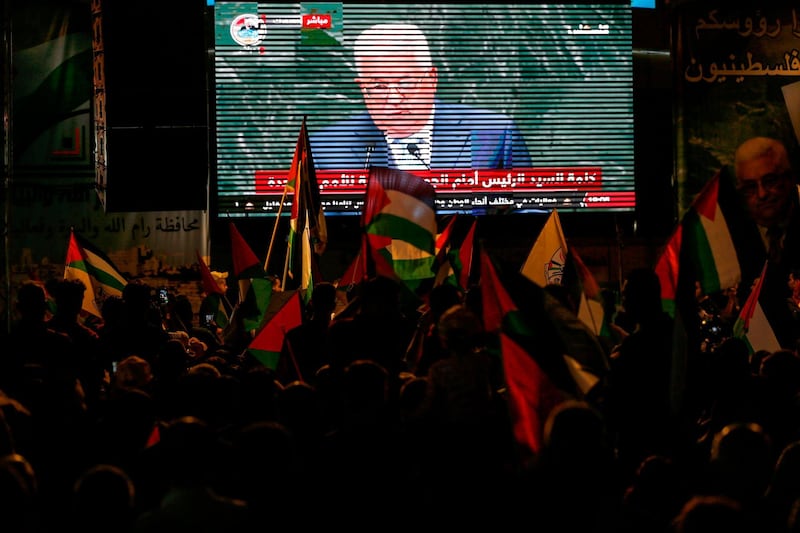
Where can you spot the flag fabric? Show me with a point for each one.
(98, 273)
(551, 262)
(546, 260)
(668, 268)
(569, 351)
(531, 393)
(256, 302)
(699, 253)
(466, 253)
(353, 275)
(268, 341)
(752, 324)
(399, 224)
(707, 235)
(581, 350)
(245, 262)
(210, 286)
(442, 266)
(454, 254)
(586, 292)
(255, 287)
(246, 268)
(308, 234)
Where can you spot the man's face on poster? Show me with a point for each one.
(766, 189)
(398, 91)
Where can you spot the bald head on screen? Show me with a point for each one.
(397, 77)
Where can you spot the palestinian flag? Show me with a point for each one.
(531, 393)
(245, 262)
(752, 324)
(706, 235)
(586, 292)
(700, 251)
(399, 223)
(308, 234)
(267, 343)
(210, 286)
(668, 268)
(465, 254)
(453, 262)
(442, 267)
(97, 272)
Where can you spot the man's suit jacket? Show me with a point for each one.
(463, 137)
(752, 254)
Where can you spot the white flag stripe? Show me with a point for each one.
(760, 334)
(722, 249)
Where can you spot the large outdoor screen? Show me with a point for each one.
(504, 108)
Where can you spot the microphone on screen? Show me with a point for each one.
(369, 148)
(413, 149)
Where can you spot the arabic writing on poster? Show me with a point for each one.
(740, 64)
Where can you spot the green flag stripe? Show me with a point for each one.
(266, 358)
(104, 272)
(413, 268)
(696, 239)
(401, 228)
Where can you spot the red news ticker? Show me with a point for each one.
(450, 181)
(610, 199)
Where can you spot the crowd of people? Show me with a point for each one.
(138, 425)
(378, 418)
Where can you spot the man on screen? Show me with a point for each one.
(405, 126)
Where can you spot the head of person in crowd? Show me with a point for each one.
(765, 180)
(397, 77)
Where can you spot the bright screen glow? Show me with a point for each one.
(504, 108)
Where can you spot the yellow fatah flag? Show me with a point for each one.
(546, 260)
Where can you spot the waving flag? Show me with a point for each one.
(268, 341)
(308, 233)
(245, 262)
(586, 292)
(442, 266)
(97, 272)
(668, 268)
(752, 324)
(255, 288)
(453, 262)
(465, 254)
(550, 261)
(700, 252)
(546, 260)
(708, 238)
(399, 223)
(210, 286)
(531, 393)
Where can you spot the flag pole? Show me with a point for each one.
(274, 230)
(285, 269)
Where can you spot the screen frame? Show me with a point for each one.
(500, 209)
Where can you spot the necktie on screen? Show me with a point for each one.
(408, 154)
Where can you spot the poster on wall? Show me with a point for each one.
(52, 182)
(737, 76)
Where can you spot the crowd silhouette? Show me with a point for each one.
(377, 420)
